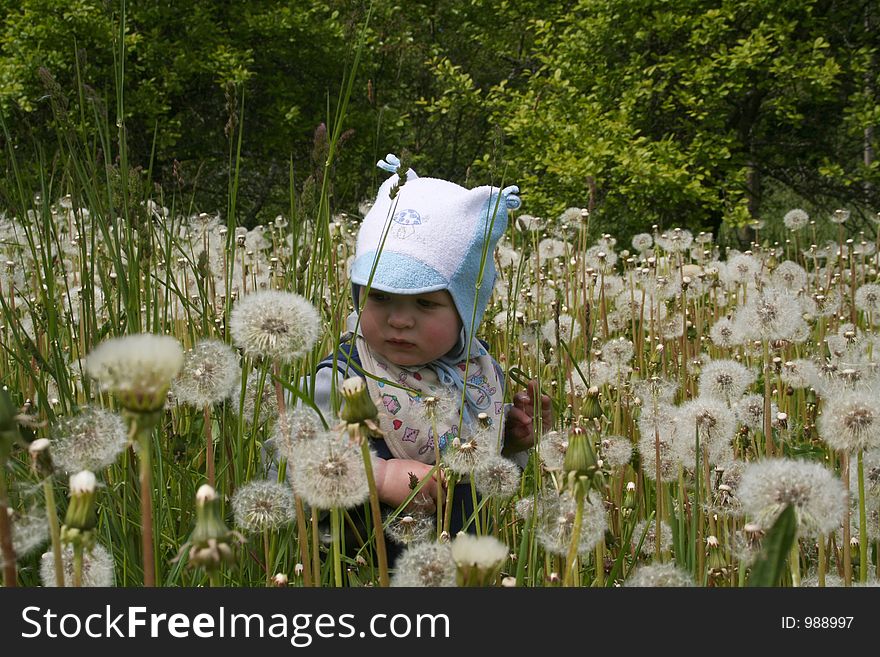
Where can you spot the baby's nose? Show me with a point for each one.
(399, 318)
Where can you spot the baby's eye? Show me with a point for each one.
(424, 303)
(378, 296)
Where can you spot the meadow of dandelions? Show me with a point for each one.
(699, 394)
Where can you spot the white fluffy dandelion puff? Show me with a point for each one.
(618, 352)
(868, 298)
(416, 527)
(649, 544)
(90, 440)
(713, 421)
(659, 575)
(725, 333)
(477, 558)
(552, 449)
(799, 373)
(497, 478)
(210, 374)
(295, 426)
(557, 523)
(850, 421)
(725, 379)
(466, 456)
(281, 326)
(616, 451)
(138, 369)
(262, 505)
(795, 219)
(97, 567)
(772, 314)
(768, 486)
(425, 565)
(569, 330)
(328, 473)
(29, 531)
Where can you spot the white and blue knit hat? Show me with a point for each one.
(435, 233)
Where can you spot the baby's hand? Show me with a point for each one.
(519, 433)
(393, 478)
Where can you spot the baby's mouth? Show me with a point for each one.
(400, 343)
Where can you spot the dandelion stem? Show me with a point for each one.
(54, 531)
(77, 564)
(316, 552)
(863, 523)
(209, 446)
(337, 553)
(302, 539)
(571, 557)
(267, 556)
(847, 551)
(821, 569)
(375, 509)
(146, 485)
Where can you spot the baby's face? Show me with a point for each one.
(410, 329)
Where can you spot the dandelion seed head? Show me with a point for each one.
(550, 248)
(616, 451)
(772, 314)
(466, 455)
(484, 552)
(416, 527)
(617, 352)
(329, 473)
(642, 242)
(795, 219)
(262, 505)
(649, 529)
(552, 449)
(768, 486)
(659, 575)
(138, 369)
(90, 440)
(867, 298)
(725, 379)
(295, 426)
(569, 330)
(726, 333)
(210, 374)
(750, 411)
(97, 567)
(850, 421)
(790, 276)
(280, 326)
(253, 394)
(556, 523)
(425, 565)
(497, 478)
(799, 373)
(715, 424)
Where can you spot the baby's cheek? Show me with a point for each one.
(441, 335)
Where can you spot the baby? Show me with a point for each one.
(422, 276)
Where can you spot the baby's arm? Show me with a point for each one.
(393, 481)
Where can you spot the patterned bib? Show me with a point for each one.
(403, 416)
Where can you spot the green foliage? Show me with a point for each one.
(685, 113)
(770, 566)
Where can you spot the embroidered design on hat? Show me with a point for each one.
(408, 218)
(410, 435)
